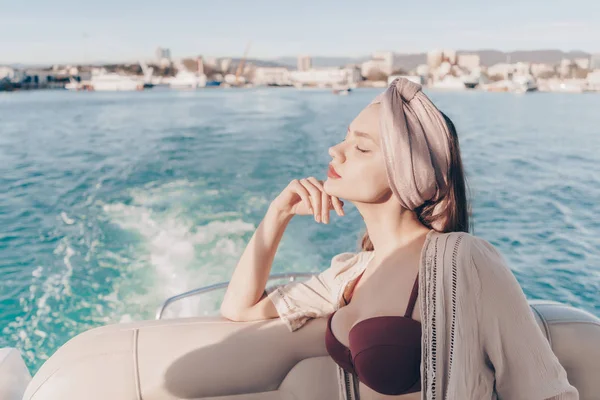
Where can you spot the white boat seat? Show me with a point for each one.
(574, 336)
(14, 375)
(213, 358)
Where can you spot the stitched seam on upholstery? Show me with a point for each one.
(566, 321)
(544, 324)
(136, 367)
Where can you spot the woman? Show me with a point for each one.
(425, 310)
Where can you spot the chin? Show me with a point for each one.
(333, 187)
(329, 185)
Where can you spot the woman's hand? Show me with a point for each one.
(307, 196)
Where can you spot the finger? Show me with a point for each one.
(325, 202)
(332, 201)
(315, 197)
(338, 205)
(325, 209)
(324, 212)
(303, 193)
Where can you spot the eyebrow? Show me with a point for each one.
(362, 134)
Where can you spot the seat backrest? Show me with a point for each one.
(190, 358)
(213, 358)
(574, 336)
(14, 375)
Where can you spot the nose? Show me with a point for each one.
(335, 152)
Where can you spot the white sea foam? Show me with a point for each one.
(182, 255)
(66, 219)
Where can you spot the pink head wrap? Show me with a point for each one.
(414, 138)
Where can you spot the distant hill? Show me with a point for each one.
(321, 62)
(491, 57)
(410, 61)
(406, 61)
(259, 63)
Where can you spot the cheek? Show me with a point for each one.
(373, 179)
(365, 181)
(374, 173)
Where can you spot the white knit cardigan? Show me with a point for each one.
(479, 336)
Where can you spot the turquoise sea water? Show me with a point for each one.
(111, 202)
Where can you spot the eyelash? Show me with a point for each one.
(361, 150)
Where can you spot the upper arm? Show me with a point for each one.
(298, 302)
(263, 309)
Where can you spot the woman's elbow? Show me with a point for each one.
(262, 310)
(232, 315)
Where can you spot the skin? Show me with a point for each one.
(396, 233)
(398, 236)
(364, 183)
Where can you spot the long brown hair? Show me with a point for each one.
(456, 210)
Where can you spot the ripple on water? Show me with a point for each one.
(130, 198)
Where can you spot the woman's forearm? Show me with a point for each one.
(250, 276)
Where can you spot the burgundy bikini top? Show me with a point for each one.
(385, 351)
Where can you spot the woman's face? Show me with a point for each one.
(358, 159)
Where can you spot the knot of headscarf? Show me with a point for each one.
(407, 89)
(414, 138)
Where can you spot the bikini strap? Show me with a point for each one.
(413, 298)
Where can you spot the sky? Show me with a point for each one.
(69, 31)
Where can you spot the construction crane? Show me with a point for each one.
(240, 67)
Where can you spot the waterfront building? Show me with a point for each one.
(304, 63)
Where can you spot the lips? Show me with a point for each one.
(332, 172)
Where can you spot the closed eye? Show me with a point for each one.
(359, 149)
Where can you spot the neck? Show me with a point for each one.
(391, 228)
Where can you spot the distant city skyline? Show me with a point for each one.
(40, 32)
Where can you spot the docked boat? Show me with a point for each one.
(73, 84)
(343, 91)
(449, 82)
(517, 84)
(114, 82)
(471, 82)
(6, 85)
(524, 84)
(210, 357)
(568, 86)
(187, 80)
